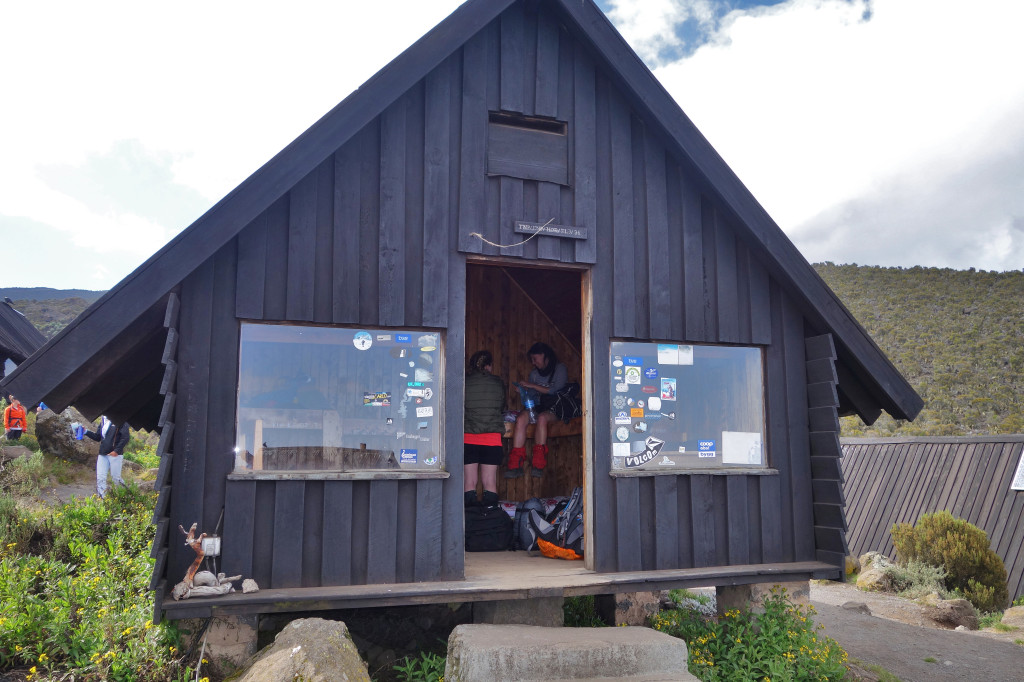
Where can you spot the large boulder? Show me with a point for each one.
(951, 613)
(53, 431)
(874, 580)
(309, 649)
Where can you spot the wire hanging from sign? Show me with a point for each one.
(509, 246)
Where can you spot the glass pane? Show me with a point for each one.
(330, 399)
(685, 406)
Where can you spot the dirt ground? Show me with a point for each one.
(899, 639)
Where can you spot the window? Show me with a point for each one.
(685, 407)
(331, 399)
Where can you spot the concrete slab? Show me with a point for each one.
(521, 653)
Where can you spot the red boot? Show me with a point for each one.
(515, 462)
(539, 461)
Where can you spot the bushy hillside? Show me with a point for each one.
(51, 315)
(956, 335)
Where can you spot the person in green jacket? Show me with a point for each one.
(484, 426)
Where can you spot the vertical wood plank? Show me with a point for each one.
(546, 82)
(658, 265)
(359, 553)
(799, 446)
(263, 533)
(585, 150)
(383, 536)
(727, 303)
(252, 269)
(436, 216)
(709, 294)
(312, 533)
(702, 520)
(392, 214)
(301, 249)
(666, 519)
(345, 245)
(405, 532)
(776, 420)
(627, 537)
(549, 203)
(335, 566)
(239, 508)
(737, 514)
(323, 253)
(512, 61)
(510, 210)
(289, 511)
(473, 157)
(641, 290)
(370, 224)
(760, 305)
(624, 287)
(427, 561)
(684, 530)
(276, 279)
(693, 263)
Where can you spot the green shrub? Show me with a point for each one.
(780, 644)
(915, 579)
(26, 475)
(427, 667)
(140, 451)
(973, 570)
(581, 612)
(75, 597)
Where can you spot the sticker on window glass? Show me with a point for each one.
(633, 375)
(424, 412)
(654, 404)
(407, 456)
(403, 338)
(705, 448)
(622, 433)
(620, 449)
(668, 389)
(652, 446)
(362, 340)
(377, 399)
(739, 447)
(651, 372)
(622, 417)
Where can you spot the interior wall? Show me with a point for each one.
(508, 309)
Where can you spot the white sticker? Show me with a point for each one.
(620, 449)
(654, 404)
(622, 433)
(424, 411)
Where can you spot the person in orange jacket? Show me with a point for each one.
(14, 419)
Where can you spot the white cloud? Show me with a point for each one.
(817, 103)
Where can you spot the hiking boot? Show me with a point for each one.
(539, 459)
(489, 499)
(536, 473)
(515, 462)
(469, 499)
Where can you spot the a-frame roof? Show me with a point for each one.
(19, 338)
(53, 372)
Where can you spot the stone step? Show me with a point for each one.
(522, 653)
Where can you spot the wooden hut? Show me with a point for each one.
(517, 175)
(979, 479)
(19, 338)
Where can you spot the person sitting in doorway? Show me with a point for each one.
(484, 426)
(112, 441)
(14, 419)
(547, 377)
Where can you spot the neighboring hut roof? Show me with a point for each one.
(18, 337)
(896, 480)
(100, 338)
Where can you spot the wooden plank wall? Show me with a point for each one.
(372, 237)
(890, 481)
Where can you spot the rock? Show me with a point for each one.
(852, 565)
(874, 560)
(950, 613)
(53, 431)
(249, 585)
(874, 580)
(309, 649)
(859, 607)
(9, 452)
(961, 628)
(1014, 617)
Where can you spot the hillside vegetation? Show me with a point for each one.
(956, 335)
(52, 314)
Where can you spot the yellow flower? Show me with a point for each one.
(43, 657)
(32, 670)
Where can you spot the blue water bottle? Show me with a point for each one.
(527, 397)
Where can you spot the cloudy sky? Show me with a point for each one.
(885, 132)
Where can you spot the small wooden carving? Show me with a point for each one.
(197, 546)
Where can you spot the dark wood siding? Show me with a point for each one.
(890, 481)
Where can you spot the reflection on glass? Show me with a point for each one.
(685, 406)
(330, 399)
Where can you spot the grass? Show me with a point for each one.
(930, 659)
(883, 674)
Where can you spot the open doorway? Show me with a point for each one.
(509, 307)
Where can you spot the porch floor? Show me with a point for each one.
(493, 576)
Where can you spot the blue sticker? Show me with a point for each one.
(635, 362)
(430, 461)
(407, 456)
(413, 384)
(651, 373)
(705, 446)
(403, 338)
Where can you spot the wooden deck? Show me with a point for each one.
(493, 576)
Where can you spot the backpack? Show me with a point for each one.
(522, 533)
(488, 529)
(561, 538)
(566, 405)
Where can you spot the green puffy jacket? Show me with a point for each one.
(485, 401)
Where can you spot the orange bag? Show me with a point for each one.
(553, 551)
